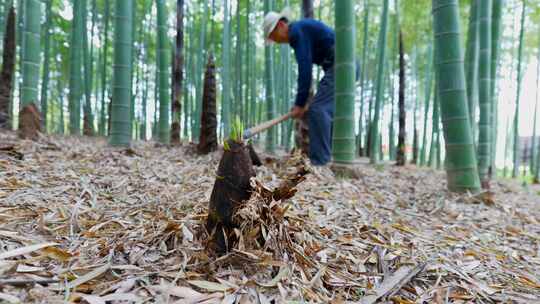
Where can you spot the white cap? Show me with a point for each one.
(271, 20)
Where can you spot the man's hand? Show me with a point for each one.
(298, 112)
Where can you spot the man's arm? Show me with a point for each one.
(305, 68)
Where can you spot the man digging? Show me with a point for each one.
(313, 43)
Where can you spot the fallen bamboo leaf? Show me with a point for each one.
(57, 254)
(210, 286)
(23, 282)
(178, 291)
(89, 276)
(92, 299)
(393, 283)
(25, 250)
(283, 272)
(121, 297)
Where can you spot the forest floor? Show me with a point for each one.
(83, 222)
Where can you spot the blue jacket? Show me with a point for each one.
(313, 43)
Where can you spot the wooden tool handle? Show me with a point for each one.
(266, 125)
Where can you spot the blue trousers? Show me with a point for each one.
(320, 119)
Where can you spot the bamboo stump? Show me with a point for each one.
(29, 122)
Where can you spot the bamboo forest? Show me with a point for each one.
(274, 151)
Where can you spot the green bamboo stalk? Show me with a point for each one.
(363, 74)
(155, 129)
(484, 89)
(187, 80)
(343, 141)
(105, 41)
(46, 71)
(201, 61)
(516, 161)
(88, 115)
(31, 52)
(178, 78)
(533, 142)
(461, 167)
(287, 97)
(239, 64)
(471, 63)
(427, 101)
(249, 64)
(145, 103)
(395, 54)
(120, 133)
(7, 72)
(507, 139)
(535, 153)
(62, 123)
(226, 62)
(133, 72)
(92, 56)
(381, 55)
(269, 81)
(75, 79)
(496, 26)
(163, 64)
(435, 132)
(3, 15)
(253, 77)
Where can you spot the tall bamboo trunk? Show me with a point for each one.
(176, 106)
(461, 167)
(516, 161)
(8, 70)
(484, 88)
(46, 60)
(239, 64)
(88, 119)
(200, 59)
(435, 133)
(29, 117)
(75, 71)
(471, 63)
(525, 156)
(536, 150)
(163, 65)
(61, 122)
(496, 28)
(360, 146)
(105, 41)
(402, 134)
(343, 140)
(395, 54)
(427, 101)
(226, 61)
(381, 56)
(30, 56)
(307, 8)
(269, 79)
(120, 115)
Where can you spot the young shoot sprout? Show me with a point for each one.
(237, 133)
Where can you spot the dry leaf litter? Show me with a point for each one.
(83, 222)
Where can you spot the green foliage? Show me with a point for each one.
(237, 130)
